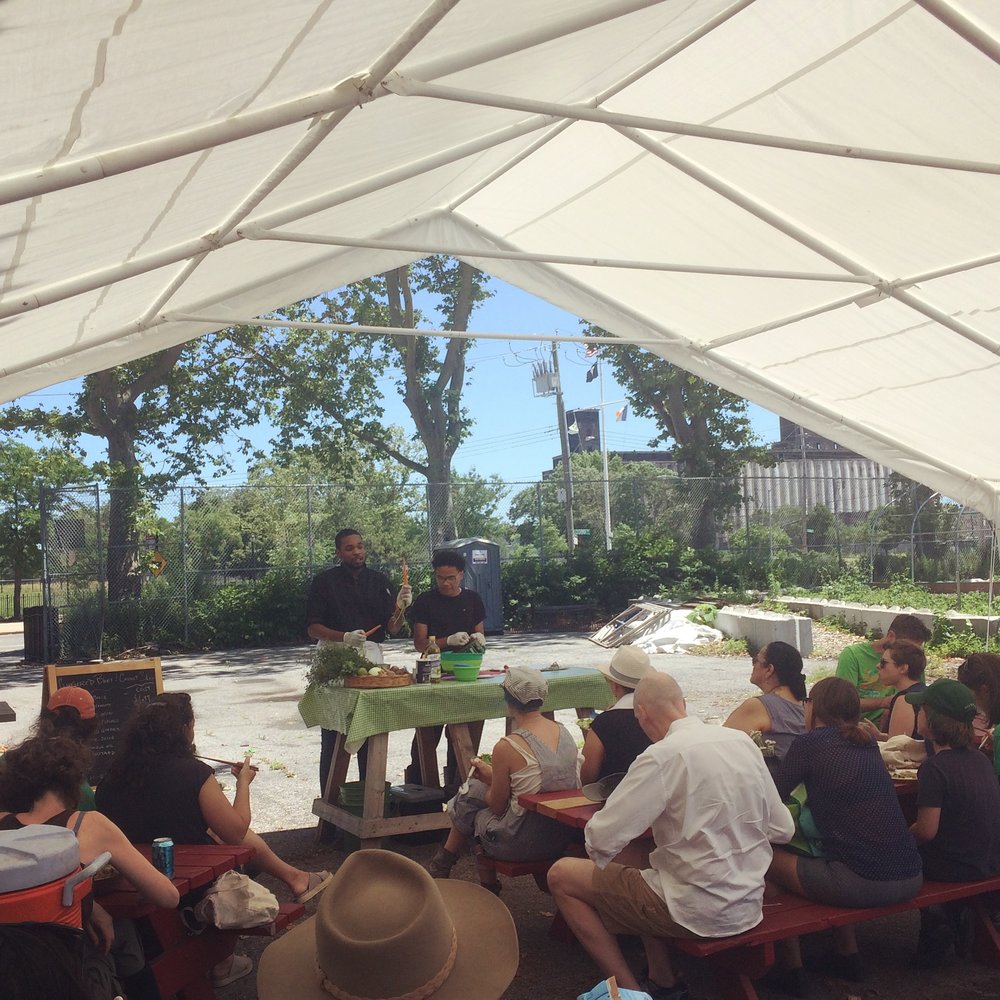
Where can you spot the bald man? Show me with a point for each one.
(714, 812)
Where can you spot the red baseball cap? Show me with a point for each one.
(76, 697)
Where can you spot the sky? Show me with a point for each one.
(515, 434)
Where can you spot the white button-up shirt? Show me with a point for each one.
(714, 812)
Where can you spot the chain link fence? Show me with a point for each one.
(194, 545)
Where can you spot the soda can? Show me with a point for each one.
(163, 856)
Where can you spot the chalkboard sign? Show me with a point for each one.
(116, 688)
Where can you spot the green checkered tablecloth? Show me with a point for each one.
(362, 712)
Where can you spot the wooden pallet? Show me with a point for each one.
(636, 621)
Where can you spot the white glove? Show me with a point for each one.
(477, 642)
(355, 639)
(405, 597)
(458, 639)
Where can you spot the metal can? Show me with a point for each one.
(423, 671)
(163, 856)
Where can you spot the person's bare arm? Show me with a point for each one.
(505, 761)
(926, 827)
(97, 834)
(902, 720)
(749, 716)
(420, 636)
(593, 757)
(229, 821)
(317, 631)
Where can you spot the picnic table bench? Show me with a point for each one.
(181, 961)
(738, 960)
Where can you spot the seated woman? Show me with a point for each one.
(39, 784)
(902, 667)
(777, 713)
(70, 712)
(958, 810)
(156, 787)
(980, 673)
(538, 756)
(870, 857)
(615, 738)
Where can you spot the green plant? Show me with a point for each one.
(333, 662)
(704, 614)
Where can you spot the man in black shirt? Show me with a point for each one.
(455, 617)
(344, 603)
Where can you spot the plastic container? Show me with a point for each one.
(466, 671)
(451, 660)
(352, 798)
(40, 875)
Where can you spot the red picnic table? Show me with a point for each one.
(181, 960)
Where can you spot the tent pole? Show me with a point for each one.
(407, 86)
(963, 26)
(307, 144)
(257, 233)
(32, 298)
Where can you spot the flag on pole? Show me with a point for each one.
(591, 351)
(573, 429)
(622, 414)
(592, 372)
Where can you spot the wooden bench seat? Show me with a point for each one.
(740, 959)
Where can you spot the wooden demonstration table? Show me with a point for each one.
(359, 714)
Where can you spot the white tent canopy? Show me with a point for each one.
(797, 200)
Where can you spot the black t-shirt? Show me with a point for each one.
(444, 615)
(340, 600)
(961, 783)
(165, 806)
(622, 738)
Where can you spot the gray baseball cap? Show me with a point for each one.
(525, 684)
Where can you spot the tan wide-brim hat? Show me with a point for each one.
(385, 929)
(628, 666)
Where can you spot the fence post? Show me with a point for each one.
(540, 523)
(43, 512)
(309, 527)
(184, 570)
(102, 564)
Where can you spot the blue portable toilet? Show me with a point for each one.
(482, 574)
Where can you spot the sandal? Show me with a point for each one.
(318, 881)
(239, 966)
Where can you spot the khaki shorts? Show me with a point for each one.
(627, 905)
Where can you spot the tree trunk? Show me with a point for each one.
(440, 502)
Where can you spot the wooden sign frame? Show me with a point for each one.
(54, 673)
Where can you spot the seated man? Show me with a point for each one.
(714, 811)
(858, 663)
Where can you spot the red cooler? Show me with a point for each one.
(40, 875)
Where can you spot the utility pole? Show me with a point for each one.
(564, 440)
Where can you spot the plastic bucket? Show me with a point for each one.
(451, 660)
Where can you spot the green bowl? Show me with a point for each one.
(450, 660)
(465, 671)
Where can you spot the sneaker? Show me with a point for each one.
(239, 966)
(679, 991)
(441, 864)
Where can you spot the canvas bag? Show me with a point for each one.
(234, 900)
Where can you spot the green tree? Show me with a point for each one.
(175, 405)
(24, 471)
(642, 496)
(707, 428)
(324, 391)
